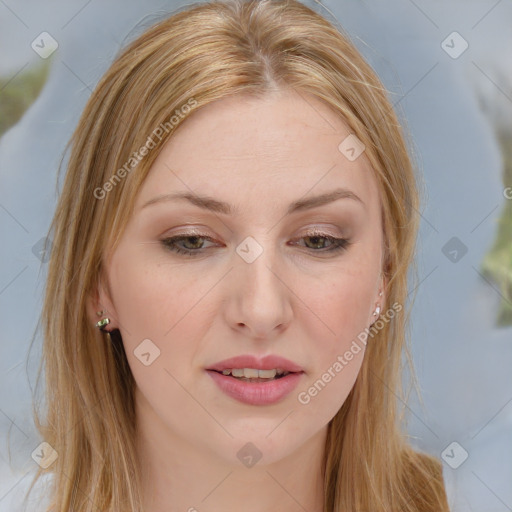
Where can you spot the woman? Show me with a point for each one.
(225, 309)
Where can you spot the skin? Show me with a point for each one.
(259, 155)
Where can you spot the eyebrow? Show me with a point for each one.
(214, 205)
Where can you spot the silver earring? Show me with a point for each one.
(377, 309)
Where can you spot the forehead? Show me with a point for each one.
(245, 150)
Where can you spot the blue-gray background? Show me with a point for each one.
(451, 108)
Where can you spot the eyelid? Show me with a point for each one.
(338, 244)
(311, 231)
(316, 228)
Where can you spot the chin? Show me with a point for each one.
(265, 443)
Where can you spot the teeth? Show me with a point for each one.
(252, 373)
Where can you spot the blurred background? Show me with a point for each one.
(448, 68)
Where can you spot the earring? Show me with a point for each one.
(377, 309)
(103, 322)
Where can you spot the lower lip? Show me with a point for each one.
(256, 393)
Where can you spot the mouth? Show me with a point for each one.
(255, 380)
(254, 375)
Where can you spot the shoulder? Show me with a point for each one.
(15, 495)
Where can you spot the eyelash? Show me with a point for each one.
(337, 244)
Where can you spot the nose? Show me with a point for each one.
(258, 295)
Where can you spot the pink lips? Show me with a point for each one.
(256, 393)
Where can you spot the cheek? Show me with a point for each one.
(159, 303)
(166, 304)
(341, 314)
(340, 304)
(149, 296)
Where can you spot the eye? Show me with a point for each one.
(317, 238)
(194, 243)
(195, 248)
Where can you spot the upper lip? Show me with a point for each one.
(258, 363)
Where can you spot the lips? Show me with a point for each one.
(250, 392)
(258, 363)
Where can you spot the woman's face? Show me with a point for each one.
(261, 279)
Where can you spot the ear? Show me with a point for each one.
(99, 300)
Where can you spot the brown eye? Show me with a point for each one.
(193, 244)
(321, 242)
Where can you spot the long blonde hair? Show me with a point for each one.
(201, 54)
